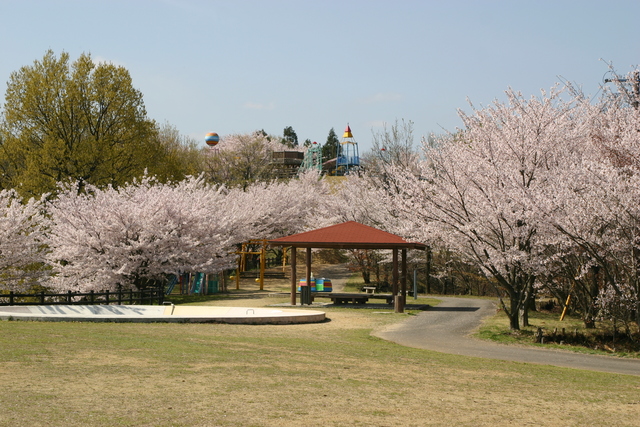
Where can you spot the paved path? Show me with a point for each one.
(446, 328)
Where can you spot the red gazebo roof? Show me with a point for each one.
(348, 235)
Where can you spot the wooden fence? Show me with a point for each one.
(119, 297)
(253, 263)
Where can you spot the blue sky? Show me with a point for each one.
(235, 66)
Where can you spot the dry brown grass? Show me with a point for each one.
(328, 374)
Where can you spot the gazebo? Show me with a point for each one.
(352, 235)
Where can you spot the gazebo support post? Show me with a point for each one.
(308, 261)
(394, 285)
(294, 279)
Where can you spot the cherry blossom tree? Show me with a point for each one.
(134, 235)
(354, 198)
(541, 190)
(469, 195)
(592, 204)
(276, 209)
(363, 199)
(22, 251)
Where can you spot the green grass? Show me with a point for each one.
(575, 337)
(354, 283)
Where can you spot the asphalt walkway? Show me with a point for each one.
(446, 328)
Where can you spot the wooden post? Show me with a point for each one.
(403, 277)
(308, 263)
(284, 258)
(394, 284)
(293, 276)
(263, 261)
(238, 271)
(394, 280)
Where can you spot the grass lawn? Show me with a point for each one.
(329, 374)
(575, 336)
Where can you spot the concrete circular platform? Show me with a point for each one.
(156, 313)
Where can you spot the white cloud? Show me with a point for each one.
(376, 124)
(381, 97)
(249, 105)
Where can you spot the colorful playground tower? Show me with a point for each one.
(348, 160)
(312, 158)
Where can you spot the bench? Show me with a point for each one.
(355, 298)
(369, 289)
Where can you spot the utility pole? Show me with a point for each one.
(635, 101)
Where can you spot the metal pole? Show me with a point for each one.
(415, 283)
(636, 89)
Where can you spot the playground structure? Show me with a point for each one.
(242, 260)
(196, 283)
(312, 158)
(348, 160)
(206, 284)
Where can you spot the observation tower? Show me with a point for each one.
(348, 160)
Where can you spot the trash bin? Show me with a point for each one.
(212, 286)
(305, 295)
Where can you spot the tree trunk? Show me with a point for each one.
(523, 312)
(514, 321)
(428, 271)
(523, 315)
(512, 314)
(589, 322)
(366, 275)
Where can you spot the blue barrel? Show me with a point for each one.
(320, 285)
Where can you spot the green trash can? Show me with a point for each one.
(212, 286)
